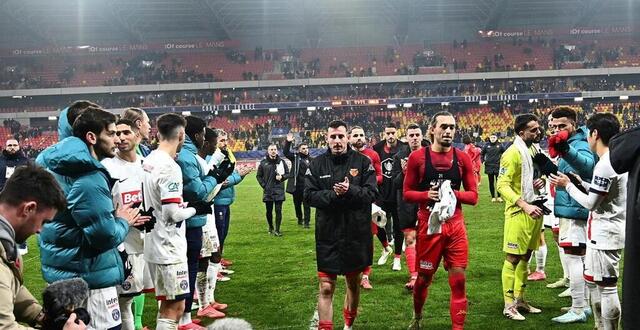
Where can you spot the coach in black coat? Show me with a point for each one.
(295, 185)
(11, 158)
(343, 223)
(272, 172)
(624, 151)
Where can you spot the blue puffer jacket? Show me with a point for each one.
(64, 128)
(580, 160)
(196, 184)
(227, 195)
(82, 240)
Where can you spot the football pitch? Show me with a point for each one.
(275, 283)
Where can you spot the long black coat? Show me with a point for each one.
(273, 190)
(624, 151)
(10, 161)
(299, 165)
(343, 223)
(491, 153)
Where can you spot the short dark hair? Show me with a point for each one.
(33, 183)
(337, 123)
(167, 125)
(390, 125)
(607, 125)
(564, 111)
(522, 121)
(210, 134)
(466, 139)
(127, 122)
(133, 114)
(194, 126)
(434, 119)
(77, 108)
(92, 120)
(302, 144)
(356, 127)
(413, 126)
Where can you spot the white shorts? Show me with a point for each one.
(171, 282)
(551, 221)
(134, 284)
(601, 264)
(104, 308)
(573, 233)
(210, 241)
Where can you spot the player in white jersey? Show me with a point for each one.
(126, 169)
(165, 246)
(606, 199)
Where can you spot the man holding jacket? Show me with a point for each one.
(82, 240)
(341, 185)
(272, 172)
(295, 186)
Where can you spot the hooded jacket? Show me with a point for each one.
(623, 152)
(580, 160)
(64, 128)
(81, 241)
(17, 303)
(196, 184)
(11, 162)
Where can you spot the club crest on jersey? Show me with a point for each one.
(353, 172)
(132, 197)
(503, 171)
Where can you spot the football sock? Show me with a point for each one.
(541, 258)
(410, 253)
(563, 262)
(420, 292)
(349, 316)
(576, 284)
(520, 279)
(508, 280)
(458, 300)
(138, 305)
(166, 324)
(201, 284)
(212, 279)
(325, 325)
(610, 307)
(594, 292)
(125, 312)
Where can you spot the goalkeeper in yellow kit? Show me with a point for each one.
(523, 218)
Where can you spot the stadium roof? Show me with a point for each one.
(79, 22)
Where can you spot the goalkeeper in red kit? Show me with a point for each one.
(430, 172)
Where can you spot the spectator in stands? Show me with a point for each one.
(11, 158)
(272, 172)
(29, 198)
(299, 164)
(82, 241)
(491, 153)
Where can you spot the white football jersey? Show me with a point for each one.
(166, 243)
(606, 227)
(127, 189)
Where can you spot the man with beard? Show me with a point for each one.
(126, 169)
(386, 150)
(440, 237)
(357, 139)
(407, 212)
(141, 124)
(197, 185)
(165, 247)
(341, 185)
(272, 171)
(299, 164)
(82, 241)
(523, 218)
(11, 158)
(491, 153)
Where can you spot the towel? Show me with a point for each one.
(528, 193)
(378, 216)
(442, 210)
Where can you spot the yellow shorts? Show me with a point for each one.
(521, 233)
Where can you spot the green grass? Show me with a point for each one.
(275, 283)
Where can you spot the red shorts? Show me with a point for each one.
(335, 276)
(451, 245)
(374, 228)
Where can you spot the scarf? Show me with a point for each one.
(528, 193)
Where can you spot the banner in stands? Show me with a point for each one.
(580, 31)
(399, 102)
(173, 46)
